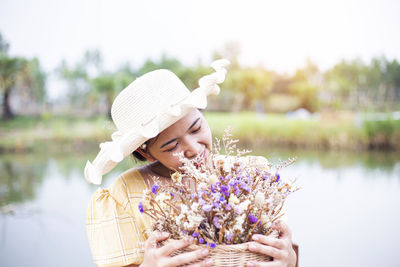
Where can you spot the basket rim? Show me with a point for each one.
(220, 247)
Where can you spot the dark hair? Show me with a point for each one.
(137, 155)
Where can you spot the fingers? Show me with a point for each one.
(185, 258)
(284, 229)
(270, 241)
(174, 245)
(155, 237)
(266, 250)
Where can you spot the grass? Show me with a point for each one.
(33, 133)
(277, 129)
(329, 131)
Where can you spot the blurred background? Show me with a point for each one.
(319, 80)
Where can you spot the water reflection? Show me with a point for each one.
(21, 176)
(385, 161)
(19, 180)
(349, 206)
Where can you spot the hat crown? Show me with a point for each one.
(146, 98)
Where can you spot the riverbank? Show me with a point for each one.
(327, 131)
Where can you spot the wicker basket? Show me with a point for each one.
(228, 255)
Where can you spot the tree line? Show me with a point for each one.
(349, 84)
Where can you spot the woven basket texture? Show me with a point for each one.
(228, 255)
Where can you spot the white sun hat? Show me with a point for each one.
(149, 105)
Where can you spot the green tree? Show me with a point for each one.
(249, 85)
(389, 87)
(123, 77)
(105, 85)
(32, 82)
(306, 84)
(23, 76)
(367, 86)
(10, 68)
(347, 81)
(79, 77)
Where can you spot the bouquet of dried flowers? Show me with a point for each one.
(221, 200)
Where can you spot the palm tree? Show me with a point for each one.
(10, 68)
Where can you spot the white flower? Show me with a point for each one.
(264, 219)
(160, 199)
(184, 209)
(203, 186)
(239, 223)
(212, 179)
(233, 199)
(195, 206)
(176, 177)
(259, 199)
(195, 220)
(244, 205)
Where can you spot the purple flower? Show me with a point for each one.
(221, 198)
(154, 189)
(246, 187)
(141, 207)
(237, 210)
(216, 222)
(172, 194)
(212, 188)
(225, 187)
(213, 245)
(195, 234)
(228, 206)
(216, 204)
(252, 218)
(237, 191)
(229, 237)
(207, 208)
(225, 190)
(201, 201)
(201, 240)
(277, 177)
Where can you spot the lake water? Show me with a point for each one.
(346, 214)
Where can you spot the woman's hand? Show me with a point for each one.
(280, 249)
(155, 256)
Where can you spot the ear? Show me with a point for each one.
(146, 155)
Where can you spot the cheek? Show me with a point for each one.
(207, 136)
(171, 162)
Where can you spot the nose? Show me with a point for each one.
(192, 147)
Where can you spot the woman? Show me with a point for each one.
(157, 117)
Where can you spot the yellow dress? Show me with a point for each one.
(115, 227)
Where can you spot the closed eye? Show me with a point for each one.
(172, 148)
(196, 130)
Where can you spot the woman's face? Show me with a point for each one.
(190, 135)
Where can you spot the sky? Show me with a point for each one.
(279, 35)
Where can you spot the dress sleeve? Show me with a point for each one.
(116, 235)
